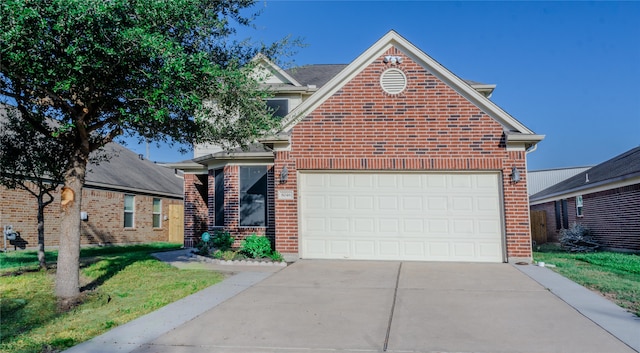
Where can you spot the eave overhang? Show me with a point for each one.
(516, 139)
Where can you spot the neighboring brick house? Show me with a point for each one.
(605, 198)
(389, 157)
(127, 200)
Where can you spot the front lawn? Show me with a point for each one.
(119, 284)
(614, 275)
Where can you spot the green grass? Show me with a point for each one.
(29, 259)
(119, 284)
(614, 275)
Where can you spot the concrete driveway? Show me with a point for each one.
(370, 306)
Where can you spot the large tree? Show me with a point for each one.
(31, 162)
(104, 68)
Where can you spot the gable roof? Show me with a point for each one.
(127, 171)
(517, 132)
(620, 170)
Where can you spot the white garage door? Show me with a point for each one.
(401, 216)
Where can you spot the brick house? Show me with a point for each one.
(126, 200)
(389, 157)
(605, 198)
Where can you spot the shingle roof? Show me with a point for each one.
(319, 74)
(619, 167)
(126, 170)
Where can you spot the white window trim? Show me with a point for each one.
(153, 213)
(133, 212)
(579, 206)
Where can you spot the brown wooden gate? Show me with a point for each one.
(539, 227)
(176, 224)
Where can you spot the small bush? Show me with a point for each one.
(276, 256)
(222, 240)
(256, 246)
(204, 248)
(229, 255)
(577, 239)
(217, 254)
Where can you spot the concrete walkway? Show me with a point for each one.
(373, 306)
(614, 319)
(128, 337)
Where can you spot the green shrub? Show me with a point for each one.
(256, 246)
(222, 240)
(276, 256)
(204, 248)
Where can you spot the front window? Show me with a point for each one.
(157, 213)
(129, 210)
(253, 196)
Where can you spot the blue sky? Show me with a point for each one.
(568, 70)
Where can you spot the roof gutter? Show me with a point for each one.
(528, 140)
(233, 156)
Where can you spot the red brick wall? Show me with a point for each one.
(613, 216)
(428, 126)
(232, 205)
(105, 224)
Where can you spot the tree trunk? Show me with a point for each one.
(68, 269)
(41, 257)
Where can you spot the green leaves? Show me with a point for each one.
(137, 66)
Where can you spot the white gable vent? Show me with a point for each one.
(393, 81)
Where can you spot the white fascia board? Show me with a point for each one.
(188, 167)
(278, 143)
(290, 89)
(589, 189)
(393, 39)
(270, 64)
(515, 141)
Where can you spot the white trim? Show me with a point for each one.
(153, 213)
(125, 211)
(262, 58)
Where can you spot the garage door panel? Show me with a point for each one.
(389, 249)
(338, 180)
(401, 216)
